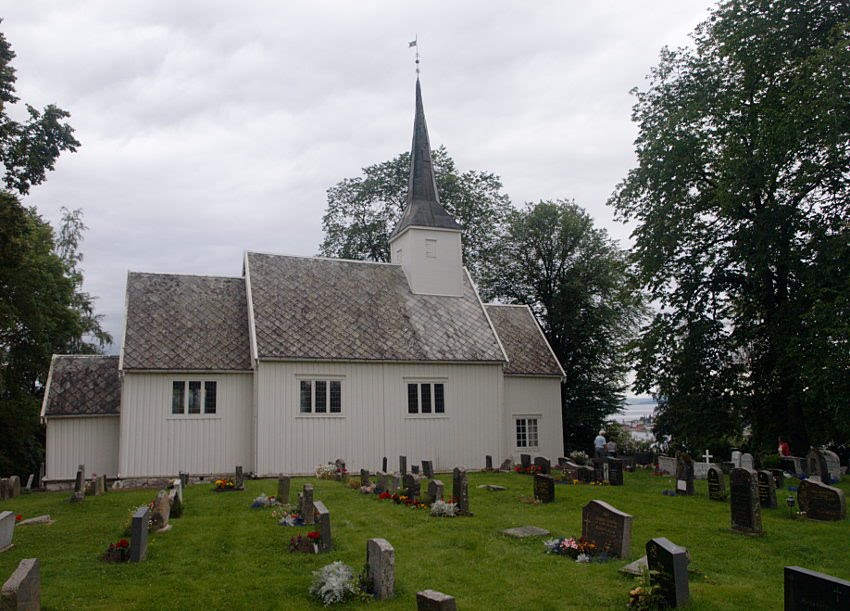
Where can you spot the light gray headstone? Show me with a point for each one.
(431, 600)
(435, 490)
(99, 485)
(667, 464)
(7, 529)
(139, 536)
(161, 510)
(747, 461)
(736, 458)
(283, 484)
(178, 486)
(22, 591)
(14, 486)
(380, 558)
(323, 521)
(522, 532)
(307, 508)
(833, 464)
(701, 470)
(239, 480)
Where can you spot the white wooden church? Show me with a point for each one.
(302, 360)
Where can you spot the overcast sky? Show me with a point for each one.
(210, 128)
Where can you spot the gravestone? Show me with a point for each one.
(460, 491)
(435, 491)
(525, 461)
(284, 482)
(384, 464)
(671, 563)
(615, 471)
(792, 464)
(736, 458)
(570, 471)
(667, 464)
(599, 470)
(716, 484)
(767, 489)
(833, 465)
(778, 478)
(99, 485)
(523, 532)
(684, 474)
(402, 464)
(701, 468)
(4, 488)
(816, 465)
(239, 480)
(506, 465)
(821, 502)
(14, 486)
(431, 600)
(806, 590)
(586, 474)
(744, 505)
(323, 521)
(544, 464)
(414, 469)
(488, 463)
(412, 488)
(29, 481)
(364, 478)
(609, 528)
(341, 471)
(177, 484)
(306, 504)
(628, 463)
(7, 529)
(184, 478)
(544, 488)
(161, 511)
(747, 461)
(394, 483)
(428, 469)
(380, 482)
(380, 558)
(22, 591)
(79, 487)
(174, 501)
(139, 534)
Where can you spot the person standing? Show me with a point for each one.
(611, 448)
(784, 449)
(599, 445)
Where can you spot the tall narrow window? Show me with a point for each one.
(336, 396)
(178, 395)
(413, 398)
(194, 397)
(306, 396)
(439, 400)
(209, 397)
(321, 396)
(426, 398)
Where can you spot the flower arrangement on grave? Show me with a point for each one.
(353, 483)
(442, 509)
(223, 484)
(263, 501)
(18, 518)
(308, 544)
(117, 552)
(385, 496)
(326, 471)
(579, 457)
(529, 470)
(579, 549)
(646, 596)
(336, 583)
(370, 489)
(400, 499)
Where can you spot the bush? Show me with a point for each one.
(334, 583)
(441, 509)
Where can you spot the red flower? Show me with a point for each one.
(123, 543)
(18, 518)
(314, 535)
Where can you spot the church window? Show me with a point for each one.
(431, 249)
(188, 397)
(320, 396)
(426, 398)
(526, 432)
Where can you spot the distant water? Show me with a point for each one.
(636, 408)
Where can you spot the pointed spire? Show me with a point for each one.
(423, 207)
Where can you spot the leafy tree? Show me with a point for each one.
(577, 282)
(740, 195)
(363, 211)
(28, 150)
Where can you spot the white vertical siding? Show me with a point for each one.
(155, 443)
(90, 440)
(540, 397)
(441, 274)
(374, 421)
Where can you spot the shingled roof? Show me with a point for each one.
(186, 322)
(81, 385)
(311, 308)
(528, 351)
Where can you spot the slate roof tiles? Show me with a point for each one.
(83, 385)
(528, 351)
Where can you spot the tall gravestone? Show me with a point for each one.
(380, 558)
(767, 489)
(684, 474)
(544, 488)
(239, 480)
(30, 480)
(14, 486)
(608, 527)
(488, 463)
(4, 488)
(744, 502)
(716, 483)
(284, 482)
(161, 511)
(615, 471)
(599, 470)
(670, 562)
(833, 465)
(816, 466)
(384, 464)
(79, 487)
(184, 478)
(22, 591)
(525, 461)
(7, 529)
(139, 534)
(307, 507)
(402, 464)
(543, 464)
(428, 468)
(821, 502)
(806, 590)
(460, 491)
(323, 521)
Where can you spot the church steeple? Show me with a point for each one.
(426, 241)
(423, 208)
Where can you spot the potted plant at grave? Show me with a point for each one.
(224, 485)
(117, 552)
(306, 545)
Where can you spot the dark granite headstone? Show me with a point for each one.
(615, 471)
(381, 482)
(562, 461)
(816, 465)
(767, 489)
(488, 463)
(506, 465)
(821, 502)
(428, 469)
(716, 484)
(384, 464)
(544, 464)
(570, 471)
(525, 460)
(364, 477)
(411, 485)
(778, 478)
(544, 488)
(609, 528)
(460, 491)
(239, 479)
(402, 464)
(671, 563)
(599, 470)
(586, 474)
(184, 479)
(323, 521)
(684, 474)
(22, 591)
(744, 497)
(139, 534)
(414, 469)
(807, 590)
(431, 600)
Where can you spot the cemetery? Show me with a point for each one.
(727, 541)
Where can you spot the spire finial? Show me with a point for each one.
(415, 43)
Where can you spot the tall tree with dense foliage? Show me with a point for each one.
(363, 211)
(577, 282)
(741, 197)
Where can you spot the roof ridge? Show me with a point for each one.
(333, 259)
(129, 271)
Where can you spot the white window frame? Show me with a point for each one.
(433, 397)
(203, 413)
(526, 419)
(328, 380)
(430, 248)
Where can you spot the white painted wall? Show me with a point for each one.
(374, 420)
(86, 440)
(156, 443)
(535, 398)
(441, 274)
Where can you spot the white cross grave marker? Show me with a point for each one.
(707, 456)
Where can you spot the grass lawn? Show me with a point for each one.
(222, 554)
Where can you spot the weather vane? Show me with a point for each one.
(414, 43)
